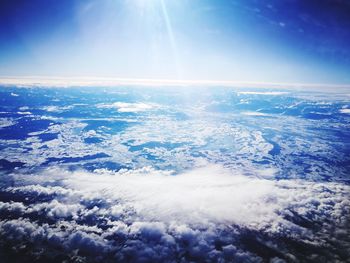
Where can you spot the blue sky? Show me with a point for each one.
(269, 41)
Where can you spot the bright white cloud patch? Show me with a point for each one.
(253, 113)
(270, 93)
(345, 111)
(129, 107)
(160, 216)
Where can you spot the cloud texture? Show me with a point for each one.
(144, 175)
(209, 214)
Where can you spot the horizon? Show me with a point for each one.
(59, 81)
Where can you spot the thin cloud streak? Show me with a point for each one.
(38, 81)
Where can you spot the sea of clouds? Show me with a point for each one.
(209, 214)
(198, 183)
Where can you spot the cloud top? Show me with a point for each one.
(203, 215)
(128, 107)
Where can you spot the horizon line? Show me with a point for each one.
(80, 81)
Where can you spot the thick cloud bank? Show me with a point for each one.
(209, 214)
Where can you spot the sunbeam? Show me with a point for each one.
(172, 40)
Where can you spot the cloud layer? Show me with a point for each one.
(158, 176)
(209, 214)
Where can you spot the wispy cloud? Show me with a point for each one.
(38, 81)
(129, 107)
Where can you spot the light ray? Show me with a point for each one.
(172, 40)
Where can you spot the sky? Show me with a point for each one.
(288, 41)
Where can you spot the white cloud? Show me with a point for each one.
(56, 210)
(13, 207)
(57, 109)
(129, 107)
(202, 195)
(159, 216)
(6, 122)
(345, 111)
(37, 189)
(254, 113)
(270, 93)
(23, 108)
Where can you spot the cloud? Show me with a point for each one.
(37, 190)
(24, 112)
(254, 113)
(345, 111)
(268, 93)
(236, 210)
(181, 142)
(57, 109)
(129, 107)
(56, 210)
(13, 207)
(32, 81)
(208, 214)
(6, 122)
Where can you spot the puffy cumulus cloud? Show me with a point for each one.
(209, 214)
(37, 190)
(52, 238)
(12, 207)
(56, 210)
(129, 107)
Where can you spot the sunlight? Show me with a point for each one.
(171, 39)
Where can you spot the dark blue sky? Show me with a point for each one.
(273, 41)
